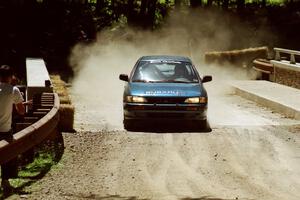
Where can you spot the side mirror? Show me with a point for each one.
(206, 79)
(123, 77)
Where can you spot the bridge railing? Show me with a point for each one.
(38, 79)
(292, 54)
(287, 70)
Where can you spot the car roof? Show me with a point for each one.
(165, 58)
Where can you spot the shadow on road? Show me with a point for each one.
(171, 127)
(118, 197)
(108, 197)
(204, 198)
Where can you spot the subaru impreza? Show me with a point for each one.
(164, 88)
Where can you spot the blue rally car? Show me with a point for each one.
(164, 88)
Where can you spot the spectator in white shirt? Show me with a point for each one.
(9, 96)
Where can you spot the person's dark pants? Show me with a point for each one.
(8, 169)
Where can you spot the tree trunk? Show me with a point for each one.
(177, 4)
(263, 3)
(151, 12)
(240, 5)
(130, 6)
(195, 3)
(113, 9)
(146, 16)
(99, 5)
(209, 3)
(130, 12)
(144, 5)
(225, 4)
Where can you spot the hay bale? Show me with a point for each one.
(59, 87)
(65, 100)
(66, 109)
(66, 122)
(236, 57)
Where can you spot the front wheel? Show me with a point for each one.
(128, 125)
(203, 125)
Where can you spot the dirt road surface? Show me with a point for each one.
(251, 153)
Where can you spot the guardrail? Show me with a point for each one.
(283, 63)
(283, 69)
(286, 51)
(263, 66)
(35, 133)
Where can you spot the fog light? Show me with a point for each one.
(138, 107)
(192, 108)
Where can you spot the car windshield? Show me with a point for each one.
(166, 72)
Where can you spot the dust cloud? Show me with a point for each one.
(96, 88)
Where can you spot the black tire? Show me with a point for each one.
(204, 126)
(128, 125)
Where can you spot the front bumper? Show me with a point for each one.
(165, 111)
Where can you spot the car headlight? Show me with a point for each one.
(196, 100)
(135, 99)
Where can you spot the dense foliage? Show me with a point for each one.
(49, 28)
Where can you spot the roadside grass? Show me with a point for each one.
(41, 164)
(46, 157)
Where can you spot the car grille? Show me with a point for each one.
(165, 100)
(166, 115)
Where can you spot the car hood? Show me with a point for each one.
(166, 89)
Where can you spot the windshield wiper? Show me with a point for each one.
(181, 82)
(144, 81)
(163, 81)
(174, 81)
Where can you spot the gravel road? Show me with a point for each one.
(251, 153)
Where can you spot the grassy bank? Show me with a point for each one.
(46, 156)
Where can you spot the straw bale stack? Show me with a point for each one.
(242, 57)
(66, 109)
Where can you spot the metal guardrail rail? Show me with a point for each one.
(47, 113)
(263, 66)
